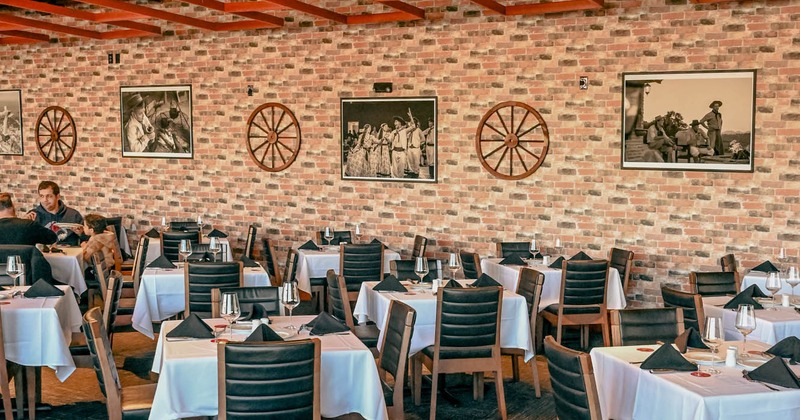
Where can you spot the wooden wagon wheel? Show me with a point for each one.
(56, 136)
(273, 137)
(512, 140)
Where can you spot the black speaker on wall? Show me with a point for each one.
(382, 87)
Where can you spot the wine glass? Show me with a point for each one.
(713, 338)
(557, 247)
(164, 225)
(358, 232)
(534, 249)
(745, 323)
(14, 267)
(229, 309)
(421, 267)
(793, 279)
(185, 249)
(290, 298)
(773, 284)
(453, 264)
(214, 246)
(328, 235)
(200, 224)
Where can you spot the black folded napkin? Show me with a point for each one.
(538, 255)
(765, 267)
(666, 357)
(789, 348)
(453, 284)
(775, 372)
(324, 323)
(248, 262)
(334, 241)
(263, 333)
(217, 234)
(485, 281)
(161, 262)
(43, 289)
(755, 291)
(389, 284)
(152, 233)
(557, 263)
(580, 256)
(310, 245)
(689, 338)
(743, 298)
(259, 311)
(512, 259)
(191, 327)
(375, 241)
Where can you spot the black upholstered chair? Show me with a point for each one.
(719, 283)
(530, 287)
(290, 270)
(184, 226)
(267, 297)
(572, 379)
(728, 263)
(171, 241)
(420, 246)
(622, 260)
(116, 223)
(582, 300)
(340, 307)
(630, 327)
(404, 270)
(471, 264)
(339, 236)
(394, 355)
(132, 402)
(250, 242)
(36, 265)
(271, 259)
(79, 349)
(201, 278)
(520, 249)
(360, 263)
(269, 380)
(139, 265)
(692, 304)
(98, 282)
(467, 339)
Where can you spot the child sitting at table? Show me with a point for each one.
(100, 239)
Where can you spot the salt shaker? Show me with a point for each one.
(730, 357)
(785, 300)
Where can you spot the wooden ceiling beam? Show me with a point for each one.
(153, 13)
(28, 35)
(219, 6)
(491, 5)
(554, 7)
(377, 18)
(250, 6)
(79, 14)
(47, 26)
(311, 10)
(15, 40)
(412, 11)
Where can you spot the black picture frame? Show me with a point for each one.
(11, 139)
(165, 130)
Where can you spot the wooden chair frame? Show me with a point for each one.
(728, 263)
(186, 311)
(277, 279)
(626, 278)
(587, 374)
(420, 246)
(616, 325)
(396, 409)
(477, 262)
(250, 241)
(698, 307)
(534, 325)
(693, 281)
(353, 296)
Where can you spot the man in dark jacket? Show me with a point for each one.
(52, 210)
(16, 231)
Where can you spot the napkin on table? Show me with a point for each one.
(789, 348)
(248, 262)
(263, 333)
(453, 284)
(775, 372)
(512, 259)
(689, 338)
(766, 267)
(43, 289)
(324, 323)
(666, 357)
(485, 280)
(580, 256)
(152, 233)
(161, 262)
(217, 234)
(755, 291)
(557, 263)
(743, 298)
(191, 327)
(310, 245)
(389, 284)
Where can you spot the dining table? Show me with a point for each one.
(771, 325)
(373, 306)
(68, 267)
(315, 264)
(187, 382)
(154, 249)
(508, 276)
(162, 295)
(760, 279)
(628, 392)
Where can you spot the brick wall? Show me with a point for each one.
(675, 222)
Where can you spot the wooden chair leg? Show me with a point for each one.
(30, 377)
(559, 328)
(434, 388)
(498, 384)
(19, 386)
(515, 367)
(536, 378)
(606, 335)
(416, 366)
(477, 386)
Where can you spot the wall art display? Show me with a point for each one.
(273, 137)
(696, 121)
(11, 122)
(56, 135)
(156, 121)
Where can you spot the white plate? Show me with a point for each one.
(701, 357)
(242, 325)
(68, 225)
(752, 361)
(285, 334)
(331, 248)
(6, 295)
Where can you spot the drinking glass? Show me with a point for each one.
(14, 267)
(773, 284)
(534, 249)
(421, 267)
(328, 235)
(214, 246)
(164, 225)
(290, 298)
(453, 264)
(793, 279)
(200, 224)
(229, 309)
(713, 338)
(185, 249)
(358, 232)
(783, 258)
(745, 323)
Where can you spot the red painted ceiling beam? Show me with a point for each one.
(378, 18)
(220, 7)
(13, 40)
(79, 14)
(554, 7)
(47, 26)
(404, 7)
(250, 6)
(311, 10)
(28, 35)
(491, 5)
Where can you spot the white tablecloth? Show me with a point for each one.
(154, 249)
(161, 295)
(37, 332)
(187, 383)
(771, 326)
(759, 278)
(315, 264)
(374, 306)
(67, 267)
(628, 392)
(508, 276)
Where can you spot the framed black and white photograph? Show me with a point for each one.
(156, 121)
(696, 121)
(11, 122)
(392, 139)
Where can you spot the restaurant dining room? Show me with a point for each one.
(405, 209)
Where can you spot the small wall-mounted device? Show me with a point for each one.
(583, 82)
(382, 88)
(113, 58)
(249, 90)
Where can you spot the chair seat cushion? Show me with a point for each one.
(137, 401)
(462, 353)
(553, 309)
(368, 334)
(318, 281)
(79, 350)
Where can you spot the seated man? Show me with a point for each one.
(16, 231)
(659, 143)
(52, 210)
(100, 239)
(698, 142)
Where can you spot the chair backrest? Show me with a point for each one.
(404, 269)
(271, 259)
(269, 380)
(631, 327)
(468, 322)
(170, 241)
(395, 347)
(102, 270)
(339, 236)
(420, 246)
(250, 242)
(116, 223)
(36, 266)
(202, 253)
(622, 260)
(202, 277)
(360, 263)
(338, 302)
(103, 360)
(291, 267)
(572, 379)
(728, 262)
(111, 300)
(471, 264)
(692, 304)
(530, 285)
(719, 283)
(139, 263)
(520, 249)
(184, 226)
(267, 297)
(583, 286)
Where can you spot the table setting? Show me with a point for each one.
(67, 265)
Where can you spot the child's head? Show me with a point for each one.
(94, 224)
